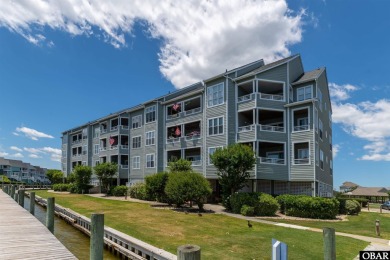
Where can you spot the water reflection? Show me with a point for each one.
(71, 238)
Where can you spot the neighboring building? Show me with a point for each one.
(17, 170)
(348, 186)
(278, 109)
(373, 194)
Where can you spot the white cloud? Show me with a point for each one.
(199, 38)
(15, 148)
(34, 156)
(3, 154)
(33, 150)
(16, 155)
(341, 92)
(55, 154)
(335, 150)
(32, 133)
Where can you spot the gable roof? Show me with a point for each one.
(309, 76)
(371, 191)
(349, 184)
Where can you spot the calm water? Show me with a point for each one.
(74, 240)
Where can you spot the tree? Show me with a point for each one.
(187, 186)
(82, 178)
(105, 172)
(155, 186)
(180, 165)
(55, 176)
(233, 164)
(4, 179)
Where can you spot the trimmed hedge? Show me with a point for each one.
(352, 207)
(247, 211)
(308, 207)
(138, 191)
(343, 210)
(61, 187)
(119, 191)
(263, 204)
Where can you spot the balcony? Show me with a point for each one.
(271, 153)
(102, 149)
(270, 90)
(174, 134)
(193, 155)
(301, 120)
(301, 153)
(184, 108)
(271, 120)
(192, 131)
(276, 97)
(246, 128)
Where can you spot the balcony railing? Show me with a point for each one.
(114, 128)
(246, 128)
(114, 147)
(125, 166)
(245, 98)
(196, 163)
(125, 127)
(192, 111)
(298, 128)
(271, 160)
(301, 161)
(77, 141)
(271, 96)
(193, 135)
(272, 128)
(173, 140)
(103, 130)
(103, 148)
(124, 147)
(173, 116)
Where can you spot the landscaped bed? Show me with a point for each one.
(219, 236)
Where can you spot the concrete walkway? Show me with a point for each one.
(376, 244)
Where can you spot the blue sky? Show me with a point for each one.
(64, 63)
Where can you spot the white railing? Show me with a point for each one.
(173, 116)
(114, 128)
(103, 148)
(114, 147)
(193, 135)
(124, 147)
(173, 140)
(271, 160)
(272, 128)
(301, 128)
(192, 111)
(301, 161)
(103, 130)
(124, 166)
(76, 141)
(271, 96)
(245, 98)
(196, 163)
(125, 127)
(246, 128)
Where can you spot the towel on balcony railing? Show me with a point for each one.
(112, 141)
(177, 131)
(176, 107)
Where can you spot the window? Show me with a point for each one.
(96, 133)
(136, 142)
(304, 93)
(321, 159)
(320, 127)
(304, 121)
(211, 151)
(216, 126)
(150, 138)
(215, 95)
(96, 149)
(97, 163)
(136, 121)
(85, 149)
(136, 162)
(319, 96)
(150, 114)
(150, 160)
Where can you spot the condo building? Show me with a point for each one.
(17, 170)
(281, 111)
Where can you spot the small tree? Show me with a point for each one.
(82, 178)
(4, 179)
(180, 165)
(55, 176)
(233, 164)
(187, 186)
(155, 186)
(105, 172)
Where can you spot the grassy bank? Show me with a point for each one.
(219, 236)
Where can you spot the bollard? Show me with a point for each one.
(368, 206)
(377, 227)
(188, 252)
(12, 191)
(21, 198)
(32, 203)
(97, 237)
(380, 208)
(329, 235)
(50, 214)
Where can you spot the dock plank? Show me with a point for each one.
(22, 236)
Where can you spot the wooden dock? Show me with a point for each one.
(22, 236)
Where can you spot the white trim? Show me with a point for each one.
(293, 152)
(139, 162)
(223, 125)
(304, 92)
(274, 109)
(293, 118)
(272, 142)
(155, 111)
(132, 142)
(154, 161)
(272, 81)
(140, 123)
(154, 138)
(207, 94)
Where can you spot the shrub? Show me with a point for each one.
(138, 191)
(352, 207)
(309, 207)
(343, 210)
(61, 187)
(247, 210)
(267, 205)
(187, 186)
(155, 186)
(239, 199)
(119, 191)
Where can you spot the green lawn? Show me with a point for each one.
(219, 236)
(363, 224)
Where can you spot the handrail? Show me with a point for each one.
(301, 128)
(271, 160)
(272, 128)
(271, 96)
(246, 128)
(302, 161)
(192, 111)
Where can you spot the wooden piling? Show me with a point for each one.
(32, 203)
(12, 191)
(16, 197)
(97, 237)
(329, 235)
(50, 214)
(188, 252)
(21, 197)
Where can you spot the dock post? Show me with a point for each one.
(97, 236)
(6, 189)
(21, 197)
(32, 203)
(16, 197)
(329, 235)
(12, 191)
(188, 252)
(50, 214)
